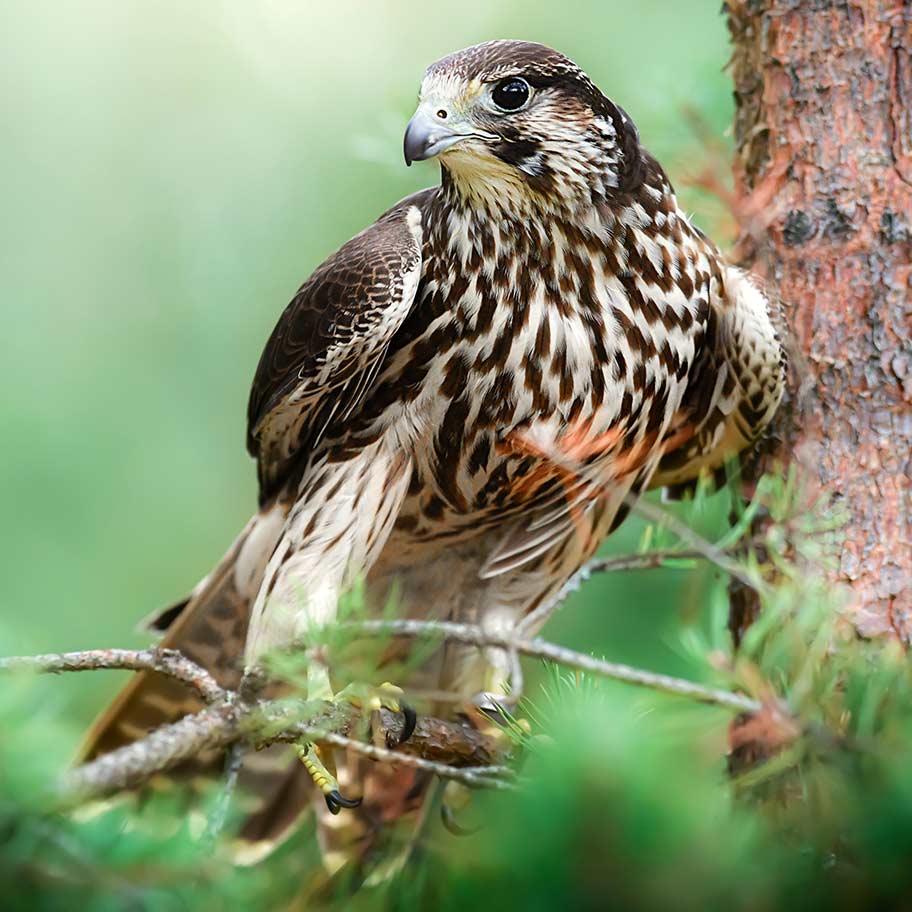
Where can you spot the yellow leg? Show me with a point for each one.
(309, 754)
(319, 688)
(372, 698)
(384, 696)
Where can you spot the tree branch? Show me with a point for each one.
(447, 749)
(164, 748)
(168, 662)
(476, 636)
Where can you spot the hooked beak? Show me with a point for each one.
(428, 134)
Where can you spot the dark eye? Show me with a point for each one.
(511, 94)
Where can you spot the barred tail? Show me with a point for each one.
(210, 628)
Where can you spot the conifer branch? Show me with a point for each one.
(168, 662)
(447, 749)
(476, 636)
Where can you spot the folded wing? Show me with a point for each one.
(325, 350)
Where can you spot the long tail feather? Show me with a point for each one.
(210, 628)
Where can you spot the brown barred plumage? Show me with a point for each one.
(548, 297)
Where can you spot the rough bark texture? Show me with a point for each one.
(824, 177)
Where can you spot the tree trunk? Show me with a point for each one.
(823, 173)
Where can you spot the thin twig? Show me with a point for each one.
(535, 620)
(168, 662)
(656, 514)
(648, 560)
(476, 636)
(653, 513)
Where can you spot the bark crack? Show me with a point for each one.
(896, 103)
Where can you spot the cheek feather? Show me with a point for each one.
(559, 149)
(534, 164)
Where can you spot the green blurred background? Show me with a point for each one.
(171, 171)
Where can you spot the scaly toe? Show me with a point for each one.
(382, 696)
(309, 754)
(386, 696)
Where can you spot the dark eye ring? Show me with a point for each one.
(511, 94)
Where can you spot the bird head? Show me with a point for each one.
(510, 117)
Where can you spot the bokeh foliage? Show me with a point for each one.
(623, 798)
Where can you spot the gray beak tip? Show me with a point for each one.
(418, 138)
(426, 137)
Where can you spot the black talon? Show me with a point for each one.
(448, 819)
(335, 802)
(409, 720)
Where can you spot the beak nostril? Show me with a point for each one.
(428, 134)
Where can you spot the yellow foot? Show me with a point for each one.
(309, 755)
(320, 763)
(383, 696)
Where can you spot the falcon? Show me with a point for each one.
(462, 402)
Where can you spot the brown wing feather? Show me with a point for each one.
(330, 340)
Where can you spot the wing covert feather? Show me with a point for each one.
(329, 342)
(736, 384)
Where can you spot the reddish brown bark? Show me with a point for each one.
(824, 177)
